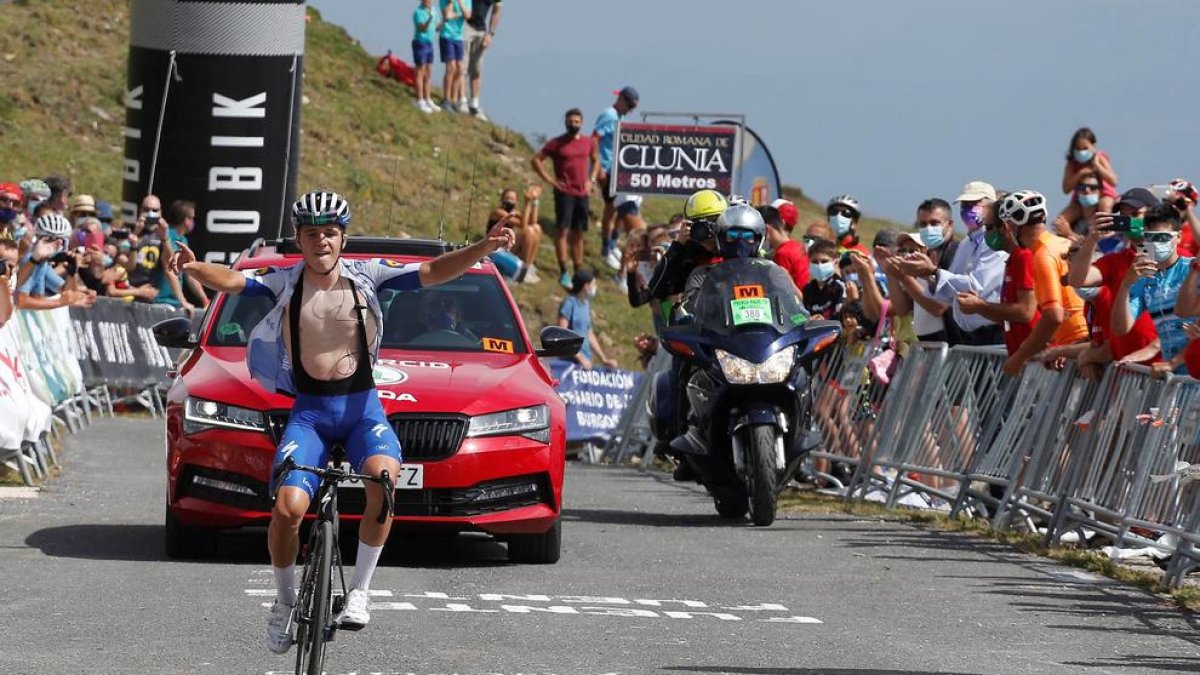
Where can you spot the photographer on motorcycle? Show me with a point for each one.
(694, 247)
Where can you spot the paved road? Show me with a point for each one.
(650, 582)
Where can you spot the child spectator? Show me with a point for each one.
(425, 29)
(1061, 322)
(1085, 159)
(814, 232)
(825, 293)
(575, 313)
(450, 40)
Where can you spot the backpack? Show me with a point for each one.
(390, 65)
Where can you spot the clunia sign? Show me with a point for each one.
(659, 159)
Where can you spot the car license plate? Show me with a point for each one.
(412, 477)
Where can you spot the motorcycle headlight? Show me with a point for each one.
(200, 414)
(532, 422)
(772, 371)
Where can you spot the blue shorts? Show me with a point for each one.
(357, 421)
(452, 50)
(422, 53)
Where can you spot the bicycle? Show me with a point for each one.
(315, 604)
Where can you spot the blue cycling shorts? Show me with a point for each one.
(356, 420)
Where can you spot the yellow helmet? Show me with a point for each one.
(705, 205)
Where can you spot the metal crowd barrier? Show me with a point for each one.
(846, 407)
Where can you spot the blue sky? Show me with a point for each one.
(891, 101)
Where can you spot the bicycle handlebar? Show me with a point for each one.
(338, 475)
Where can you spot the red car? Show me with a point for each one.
(482, 431)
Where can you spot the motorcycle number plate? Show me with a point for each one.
(751, 310)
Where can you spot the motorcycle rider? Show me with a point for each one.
(694, 247)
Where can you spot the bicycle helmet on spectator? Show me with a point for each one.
(849, 201)
(1020, 207)
(35, 189)
(740, 231)
(321, 207)
(52, 225)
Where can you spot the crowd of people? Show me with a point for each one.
(463, 32)
(65, 249)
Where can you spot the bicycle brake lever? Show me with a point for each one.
(389, 497)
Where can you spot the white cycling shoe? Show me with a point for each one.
(356, 613)
(279, 636)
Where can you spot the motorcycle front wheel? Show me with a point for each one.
(760, 473)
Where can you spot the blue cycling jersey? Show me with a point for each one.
(1157, 295)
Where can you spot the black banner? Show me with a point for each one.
(230, 130)
(116, 346)
(662, 159)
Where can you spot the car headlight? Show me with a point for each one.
(532, 422)
(772, 371)
(200, 414)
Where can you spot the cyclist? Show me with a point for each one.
(318, 345)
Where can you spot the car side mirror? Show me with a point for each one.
(559, 342)
(174, 333)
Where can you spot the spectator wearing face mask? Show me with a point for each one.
(910, 295)
(825, 292)
(1182, 195)
(575, 313)
(1085, 159)
(10, 209)
(843, 213)
(1155, 285)
(51, 281)
(36, 191)
(1075, 220)
(785, 251)
(569, 154)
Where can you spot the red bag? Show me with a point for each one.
(393, 66)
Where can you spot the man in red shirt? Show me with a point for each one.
(787, 252)
(1017, 309)
(570, 154)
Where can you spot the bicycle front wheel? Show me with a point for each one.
(315, 603)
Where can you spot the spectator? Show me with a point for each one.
(1183, 196)
(787, 213)
(1061, 321)
(36, 191)
(785, 251)
(826, 292)
(477, 37)
(524, 225)
(8, 268)
(913, 295)
(629, 215)
(1085, 159)
(450, 40)
(1153, 285)
(575, 313)
(886, 241)
(149, 215)
(160, 245)
(1086, 200)
(569, 154)
(51, 281)
(604, 136)
(843, 213)
(425, 29)
(10, 208)
(104, 213)
(60, 192)
(814, 232)
(1017, 307)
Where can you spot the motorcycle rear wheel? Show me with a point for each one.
(760, 474)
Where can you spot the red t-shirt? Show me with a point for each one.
(792, 257)
(1112, 270)
(570, 158)
(1018, 276)
(1187, 246)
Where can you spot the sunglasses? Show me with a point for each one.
(1157, 237)
(8, 201)
(1087, 187)
(842, 211)
(739, 235)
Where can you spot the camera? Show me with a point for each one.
(845, 261)
(701, 230)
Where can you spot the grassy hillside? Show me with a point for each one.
(62, 112)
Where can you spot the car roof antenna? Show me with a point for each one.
(445, 194)
(392, 197)
(471, 200)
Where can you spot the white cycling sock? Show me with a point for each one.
(285, 583)
(364, 565)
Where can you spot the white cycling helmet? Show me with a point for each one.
(321, 207)
(1020, 207)
(849, 201)
(52, 225)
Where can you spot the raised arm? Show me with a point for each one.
(453, 264)
(210, 275)
(1081, 273)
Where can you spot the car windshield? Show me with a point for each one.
(748, 293)
(469, 314)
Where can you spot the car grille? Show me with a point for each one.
(423, 438)
(486, 497)
(429, 438)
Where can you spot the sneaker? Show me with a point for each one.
(462, 107)
(478, 113)
(279, 636)
(431, 106)
(613, 259)
(565, 280)
(423, 106)
(355, 614)
(448, 106)
(532, 276)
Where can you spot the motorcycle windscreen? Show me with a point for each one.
(748, 294)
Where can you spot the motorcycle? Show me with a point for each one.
(741, 355)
